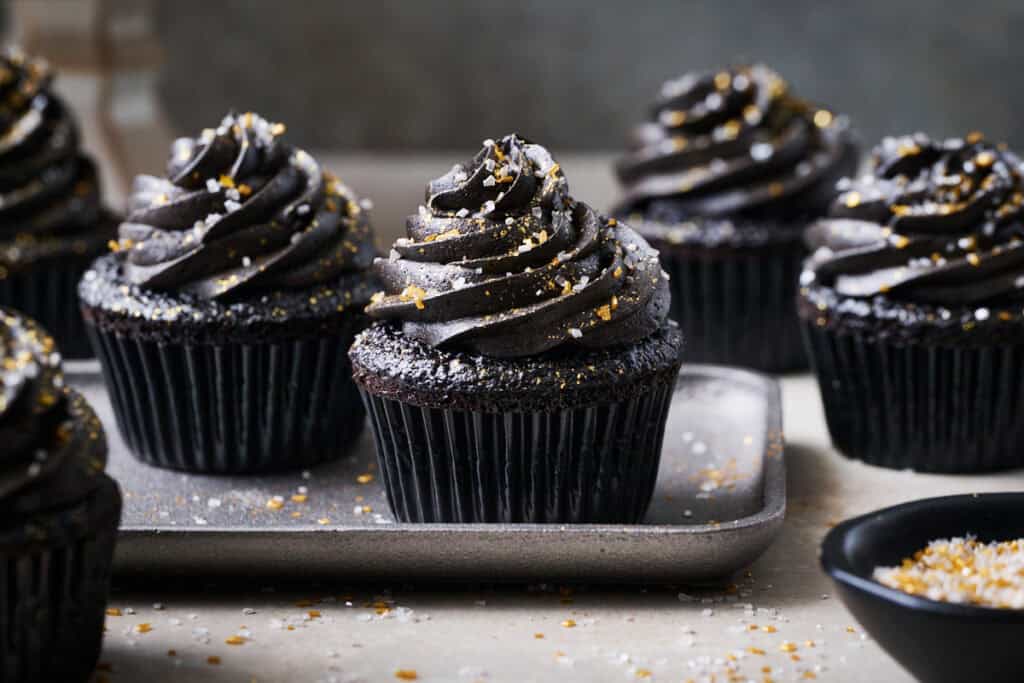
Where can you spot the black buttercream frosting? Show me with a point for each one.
(241, 211)
(53, 445)
(503, 262)
(48, 188)
(933, 222)
(733, 143)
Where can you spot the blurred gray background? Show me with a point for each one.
(401, 74)
(389, 93)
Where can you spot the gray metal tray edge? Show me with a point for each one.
(487, 552)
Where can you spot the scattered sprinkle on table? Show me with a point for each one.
(962, 570)
(569, 623)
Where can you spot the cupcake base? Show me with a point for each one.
(55, 578)
(735, 303)
(510, 448)
(928, 402)
(202, 386)
(233, 408)
(47, 292)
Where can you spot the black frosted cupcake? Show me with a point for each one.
(526, 367)
(221, 320)
(913, 308)
(60, 514)
(52, 223)
(722, 181)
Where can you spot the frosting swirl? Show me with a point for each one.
(503, 262)
(933, 222)
(48, 188)
(242, 211)
(732, 142)
(53, 445)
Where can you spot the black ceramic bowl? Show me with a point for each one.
(935, 641)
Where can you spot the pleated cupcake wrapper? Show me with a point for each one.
(588, 464)
(922, 406)
(738, 308)
(232, 408)
(53, 593)
(48, 293)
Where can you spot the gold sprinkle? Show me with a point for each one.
(900, 242)
(787, 647)
(569, 623)
(277, 129)
(300, 498)
(415, 294)
(538, 636)
(984, 159)
(213, 660)
(113, 612)
(823, 118)
(144, 627)
(406, 674)
(974, 259)
(723, 80)
(852, 199)
(974, 136)
(275, 503)
(226, 181)
(673, 118)
(234, 640)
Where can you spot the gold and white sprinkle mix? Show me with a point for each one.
(962, 570)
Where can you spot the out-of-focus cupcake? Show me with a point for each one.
(913, 307)
(722, 180)
(60, 514)
(221, 320)
(526, 366)
(52, 222)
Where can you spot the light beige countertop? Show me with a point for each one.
(540, 633)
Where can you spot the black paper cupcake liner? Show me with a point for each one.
(737, 307)
(586, 464)
(54, 582)
(232, 408)
(48, 293)
(921, 406)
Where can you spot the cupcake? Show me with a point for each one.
(524, 365)
(60, 514)
(913, 307)
(722, 181)
(222, 317)
(52, 223)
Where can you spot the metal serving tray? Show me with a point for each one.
(719, 503)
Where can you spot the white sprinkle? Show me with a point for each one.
(212, 185)
(761, 151)
(575, 332)
(301, 209)
(213, 503)
(981, 314)
(246, 261)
